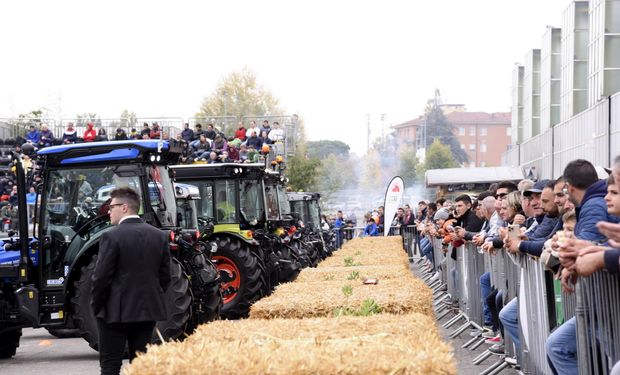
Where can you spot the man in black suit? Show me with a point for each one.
(129, 282)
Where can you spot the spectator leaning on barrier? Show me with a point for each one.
(371, 228)
(584, 189)
(532, 242)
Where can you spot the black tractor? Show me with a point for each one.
(45, 280)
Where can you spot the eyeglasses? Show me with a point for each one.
(500, 196)
(110, 207)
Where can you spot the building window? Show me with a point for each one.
(472, 147)
(461, 131)
(483, 147)
(509, 131)
(472, 131)
(462, 146)
(483, 131)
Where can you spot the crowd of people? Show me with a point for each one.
(569, 224)
(209, 144)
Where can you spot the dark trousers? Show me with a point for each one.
(112, 340)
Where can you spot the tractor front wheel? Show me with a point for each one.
(240, 276)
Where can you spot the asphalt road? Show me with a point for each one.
(40, 353)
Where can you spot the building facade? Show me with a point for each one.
(484, 136)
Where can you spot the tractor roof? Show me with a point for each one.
(155, 151)
(219, 170)
(302, 196)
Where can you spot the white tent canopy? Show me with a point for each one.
(453, 176)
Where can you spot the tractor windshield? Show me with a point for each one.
(285, 207)
(74, 196)
(315, 215)
(251, 203)
(271, 197)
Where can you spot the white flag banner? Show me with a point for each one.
(393, 197)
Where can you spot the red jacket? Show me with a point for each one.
(90, 133)
(240, 133)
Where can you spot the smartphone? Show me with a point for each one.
(514, 231)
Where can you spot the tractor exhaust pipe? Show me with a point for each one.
(23, 212)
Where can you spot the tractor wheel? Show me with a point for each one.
(178, 299)
(64, 333)
(240, 276)
(68, 331)
(289, 264)
(9, 342)
(178, 304)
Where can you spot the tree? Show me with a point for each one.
(302, 172)
(322, 149)
(335, 173)
(439, 156)
(438, 127)
(409, 165)
(239, 95)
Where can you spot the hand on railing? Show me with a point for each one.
(568, 280)
(512, 245)
(590, 260)
(488, 247)
(478, 239)
(569, 250)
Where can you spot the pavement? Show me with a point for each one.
(41, 353)
(465, 356)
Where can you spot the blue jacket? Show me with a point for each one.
(338, 223)
(32, 136)
(371, 230)
(535, 247)
(543, 229)
(592, 210)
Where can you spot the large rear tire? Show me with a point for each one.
(178, 299)
(9, 342)
(241, 276)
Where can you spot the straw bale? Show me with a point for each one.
(382, 272)
(380, 344)
(369, 251)
(322, 298)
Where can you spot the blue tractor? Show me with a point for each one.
(45, 281)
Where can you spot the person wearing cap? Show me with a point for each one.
(545, 220)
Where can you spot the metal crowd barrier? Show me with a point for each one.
(541, 307)
(598, 321)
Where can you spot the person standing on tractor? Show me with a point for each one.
(128, 300)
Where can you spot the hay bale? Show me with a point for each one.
(368, 251)
(383, 272)
(325, 298)
(407, 344)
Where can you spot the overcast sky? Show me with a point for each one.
(332, 62)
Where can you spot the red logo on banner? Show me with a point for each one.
(396, 189)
